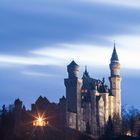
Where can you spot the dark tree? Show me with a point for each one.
(88, 128)
(109, 128)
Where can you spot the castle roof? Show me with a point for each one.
(18, 101)
(114, 55)
(42, 100)
(91, 83)
(73, 64)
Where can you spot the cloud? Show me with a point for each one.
(128, 3)
(32, 73)
(92, 55)
(29, 26)
(127, 47)
(83, 53)
(28, 60)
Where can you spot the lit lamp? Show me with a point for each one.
(128, 133)
(40, 121)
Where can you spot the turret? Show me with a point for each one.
(115, 82)
(73, 95)
(114, 63)
(73, 70)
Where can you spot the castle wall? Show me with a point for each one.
(101, 116)
(87, 114)
(116, 92)
(105, 97)
(93, 113)
(111, 106)
(71, 120)
(73, 105)
(83, 122)
(79, 115)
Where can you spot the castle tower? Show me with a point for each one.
(73, 95)
(115, 82)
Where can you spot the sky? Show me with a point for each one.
(39, 38)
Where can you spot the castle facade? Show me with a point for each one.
(90, 102)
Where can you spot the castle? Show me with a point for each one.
(90, 102)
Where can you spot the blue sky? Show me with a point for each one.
(39, 38)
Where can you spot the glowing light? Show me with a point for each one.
(40, 121)
(128, 133)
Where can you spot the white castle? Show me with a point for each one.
(90, 102)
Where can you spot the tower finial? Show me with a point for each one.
(85, 68)
(114, 44)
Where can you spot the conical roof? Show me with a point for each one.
(114, 55)
(73, 64)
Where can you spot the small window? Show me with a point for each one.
(84, 90)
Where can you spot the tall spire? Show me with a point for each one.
(86, 72)
(114, 54)
(85, 68)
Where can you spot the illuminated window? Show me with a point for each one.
(84, 90)
(128, 133)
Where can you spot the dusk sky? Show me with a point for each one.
(39, 38)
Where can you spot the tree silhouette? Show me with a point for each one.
(109, 128)
(88, 128)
